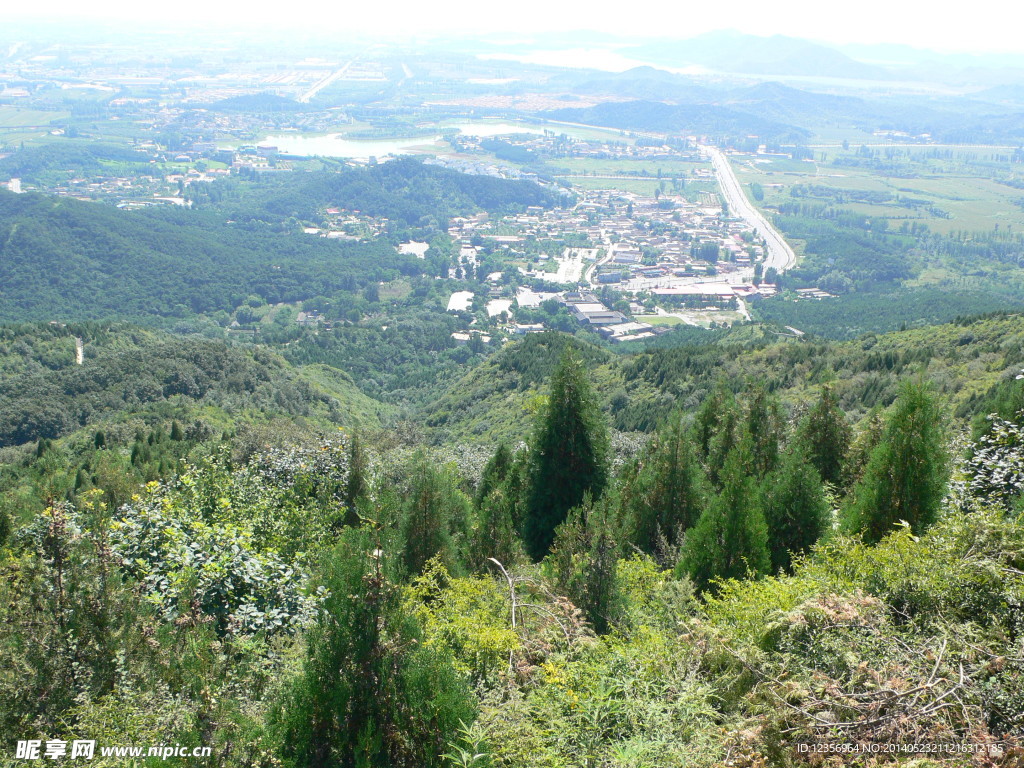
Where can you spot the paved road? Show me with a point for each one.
(778, 253)
(323, 83)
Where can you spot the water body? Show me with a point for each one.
(336, 145)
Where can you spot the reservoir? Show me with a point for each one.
(336, 145)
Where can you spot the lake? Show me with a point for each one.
(336, 145)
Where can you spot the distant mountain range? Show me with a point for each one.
(780, 56)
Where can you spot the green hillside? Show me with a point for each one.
(128, 373)
(967, 360)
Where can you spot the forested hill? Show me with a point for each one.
(972, 360)
(404, 190)
(130, 373)
(68, 260)
(62, 259)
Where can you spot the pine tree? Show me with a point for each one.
(355, 483)
(666, 497)
(585, 555)
(905, 478)
(795, 508)
(764, 429)
(370, 693)
(825, 433)
(434, 510)
(494, 473)
(568, 456)
(731, 539)
(724, 442)
(708, 421)
(494, 533)
(176, 434)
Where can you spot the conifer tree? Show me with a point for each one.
(568, 455)
(356, 486)
(433, 511)
(708, 421)
(731, 539)
(861, 447)
(495, 471)
(825, 434)
(724, 442)
(764, 429)
(585, 555)
(905, 477)
(370, 693)
(666, 497)
(796, 511)
(494, 533)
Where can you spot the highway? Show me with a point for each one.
(323, 83)
(778, 254)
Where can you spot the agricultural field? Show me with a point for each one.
(966, 191)
(16, 117)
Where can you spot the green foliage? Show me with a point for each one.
(618, 702)
(905, 478)
(495, 472)
(184, 562)
(434, 516)
(357, 483)
(714, 412)
(764, 430)
(74, 260)
(796, 511)
(128, 370)
(404, 190)
(824, 433)
(569, 454)
(667, 495)
(468, 618)
(64, 615)
(494, 533)
(370, 694)
(855, 314)
(730, 541)
(584, 556)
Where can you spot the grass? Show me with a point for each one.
(17, 117)
(637, 186)
(660, 319)
(966, 193)
(394, 290)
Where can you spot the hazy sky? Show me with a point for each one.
(978, 26)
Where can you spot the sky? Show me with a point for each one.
(982, 26)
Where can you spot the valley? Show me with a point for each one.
(508, 400)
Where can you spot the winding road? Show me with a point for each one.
(778, 254)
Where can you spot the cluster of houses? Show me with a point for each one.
(553, 143)
(638, 242)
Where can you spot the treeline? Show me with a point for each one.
(126, 371)
(727, 123)
(342, 605)
(852, 315)
(638, 390)
(61, 160)
(845, 252)
(405, 190)
(406, 359)
(68, 260)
